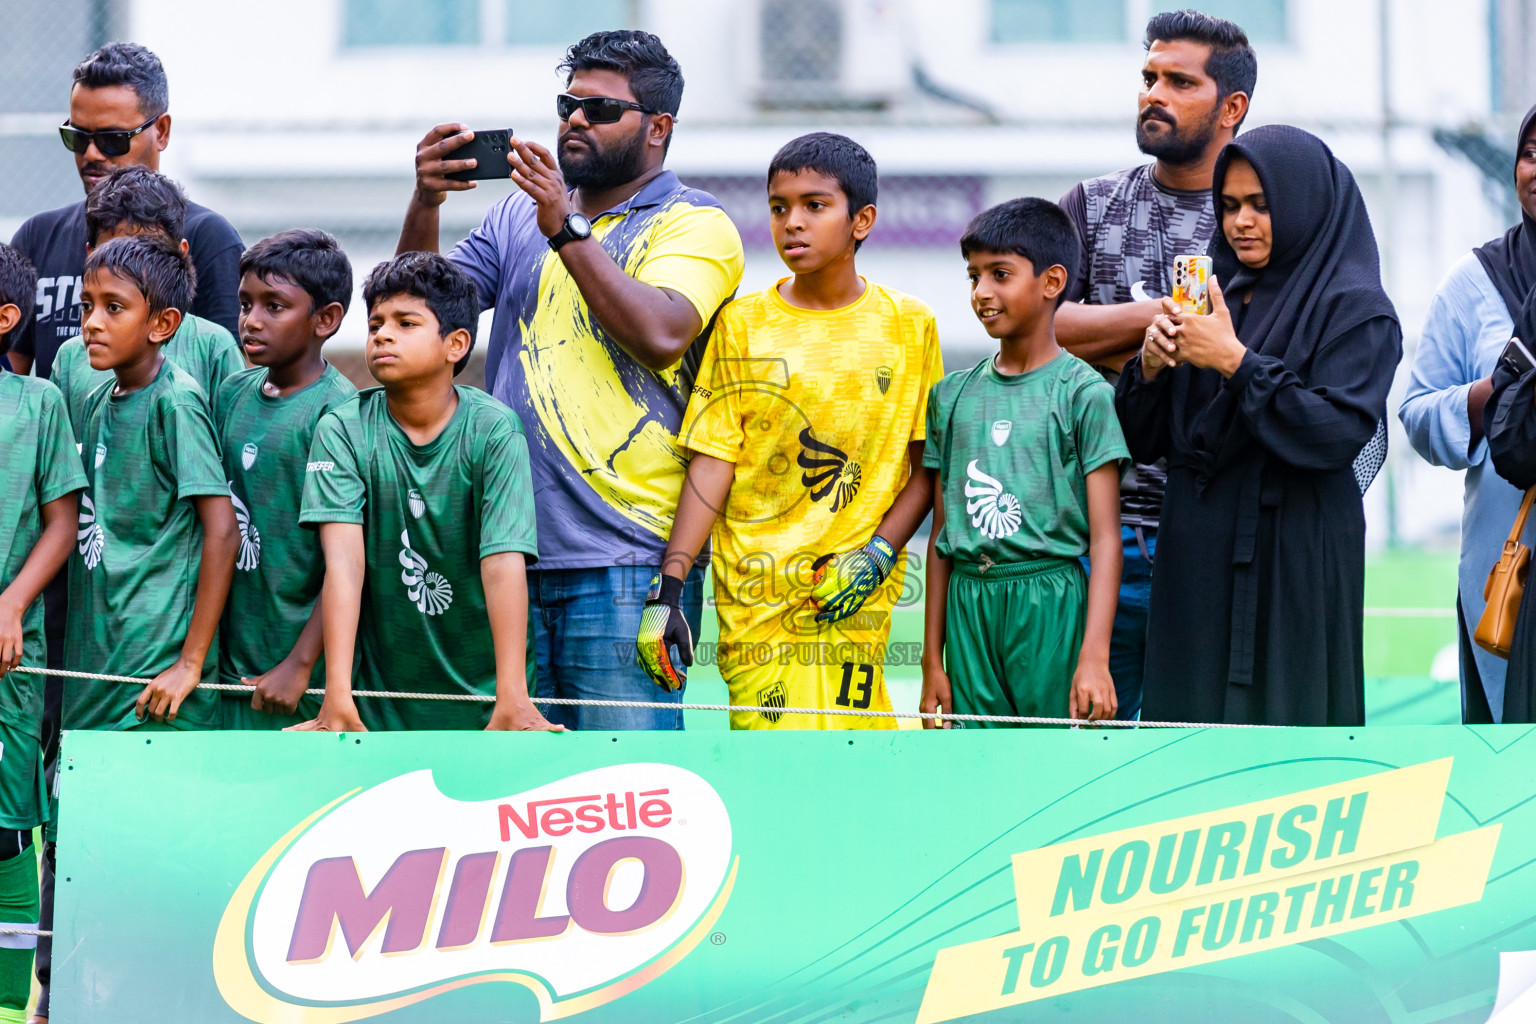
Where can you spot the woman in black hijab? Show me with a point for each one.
(1510, 415)
(1260, 409)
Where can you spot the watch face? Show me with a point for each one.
(578, 225)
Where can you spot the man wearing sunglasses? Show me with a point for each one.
(117, 117)
(605, 272)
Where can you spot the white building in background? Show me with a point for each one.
(307, 112)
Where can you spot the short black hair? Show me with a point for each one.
(653, 74)
(1232, 63)
(1036, 229)
(138, 196)
(132, 65)
(308, 258)
(436, 280)
(157, 267)
(18, 287)
(836, 156)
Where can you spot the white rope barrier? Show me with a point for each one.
(670, 706)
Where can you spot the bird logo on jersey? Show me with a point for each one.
(1000, 431)
(250, 539)
(90, 536)
(993, 511)
(248, 454)
(418, 504)
(828, 469)
(101, 454)
(883, 375)
(431, 593)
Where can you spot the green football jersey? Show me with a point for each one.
(38, 464)
(277, 579)
(1014, 452)
(133, 577)
(429, 514)
(202, 348)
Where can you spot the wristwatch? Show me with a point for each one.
(576, 228)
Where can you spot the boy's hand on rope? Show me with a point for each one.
(842, 583)
(662, 627)
(938, 696)
(520, 717)
(1093, 692)
(162, 698)
(331, 719)
(279, 688)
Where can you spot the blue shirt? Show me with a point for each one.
(1467, 328)
(602, 427)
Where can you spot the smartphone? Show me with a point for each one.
(1518, 358)
(489, 149)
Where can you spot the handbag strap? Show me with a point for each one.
(1520, 517)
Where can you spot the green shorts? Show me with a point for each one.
(1012, 635)
(23, 791)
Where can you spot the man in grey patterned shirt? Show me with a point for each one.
(1198, 76)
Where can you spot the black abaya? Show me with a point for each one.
(1258, 593)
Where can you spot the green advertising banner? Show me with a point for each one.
(1381, 875)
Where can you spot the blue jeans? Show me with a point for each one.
(1128, 640)
(584, 626)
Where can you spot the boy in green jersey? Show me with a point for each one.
(157, 539)
(294, 290)
(422, 476)
(138, 201)
(40, 479)
(1028, 452)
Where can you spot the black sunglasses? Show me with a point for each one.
(597, 109)
(109, 142)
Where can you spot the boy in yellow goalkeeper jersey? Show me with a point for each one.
(806, 426)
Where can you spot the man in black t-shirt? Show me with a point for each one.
(117, 117)
(1198, 76)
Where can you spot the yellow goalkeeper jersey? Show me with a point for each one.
(816, 409)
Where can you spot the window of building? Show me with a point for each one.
(1263, 20)
(1108, 21)
(1058, 21)
(543, 23)
(477, 22)
(412, 23)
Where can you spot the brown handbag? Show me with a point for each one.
(1505, 587)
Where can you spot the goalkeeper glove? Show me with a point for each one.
(663, 627)
(843, 582)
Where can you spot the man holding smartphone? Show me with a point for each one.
(1198, 76)
(605, 273)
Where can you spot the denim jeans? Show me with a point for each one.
(1128, 640)
(585, 622)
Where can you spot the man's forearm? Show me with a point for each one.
(652, 324)
(419, 232)
(703, 498)
(1104, 335)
